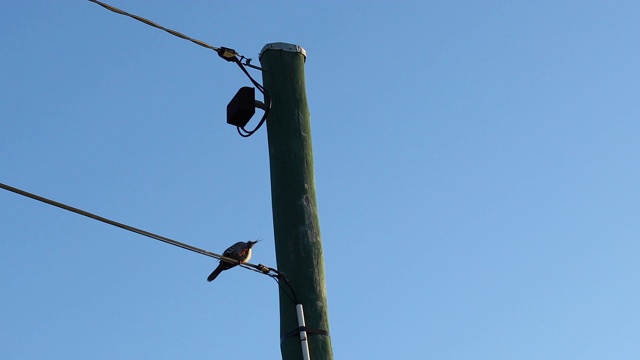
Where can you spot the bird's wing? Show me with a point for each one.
(234, 249)
(229, 252)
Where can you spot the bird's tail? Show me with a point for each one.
(214, 274)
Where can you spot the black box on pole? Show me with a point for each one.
(242, 107)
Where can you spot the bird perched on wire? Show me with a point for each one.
(240, 251)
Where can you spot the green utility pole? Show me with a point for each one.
(295, 215)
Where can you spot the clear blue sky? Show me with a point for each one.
(477, 170)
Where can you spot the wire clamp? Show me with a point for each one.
(228, 54)
(264, 269)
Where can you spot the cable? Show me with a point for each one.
(279, 277)
(151, 23)
(267, 102)
(225, 53)
(257, 268)
(276, 275)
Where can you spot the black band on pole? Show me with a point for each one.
(296, 332)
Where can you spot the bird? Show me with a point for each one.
(240, 251)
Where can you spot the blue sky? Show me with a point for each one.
(476, 172)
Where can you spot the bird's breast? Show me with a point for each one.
(246, 255)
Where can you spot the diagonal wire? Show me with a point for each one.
(257, 268)
(151, 23)
(225, 53)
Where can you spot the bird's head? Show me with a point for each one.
(250, 243)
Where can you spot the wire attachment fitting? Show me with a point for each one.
(264, 269)
(228, 54)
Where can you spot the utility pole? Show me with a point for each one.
(295, 215)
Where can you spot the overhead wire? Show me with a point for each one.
(257, 268)
(225, 53)
(151, 23)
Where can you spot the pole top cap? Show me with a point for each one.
(284, 47)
